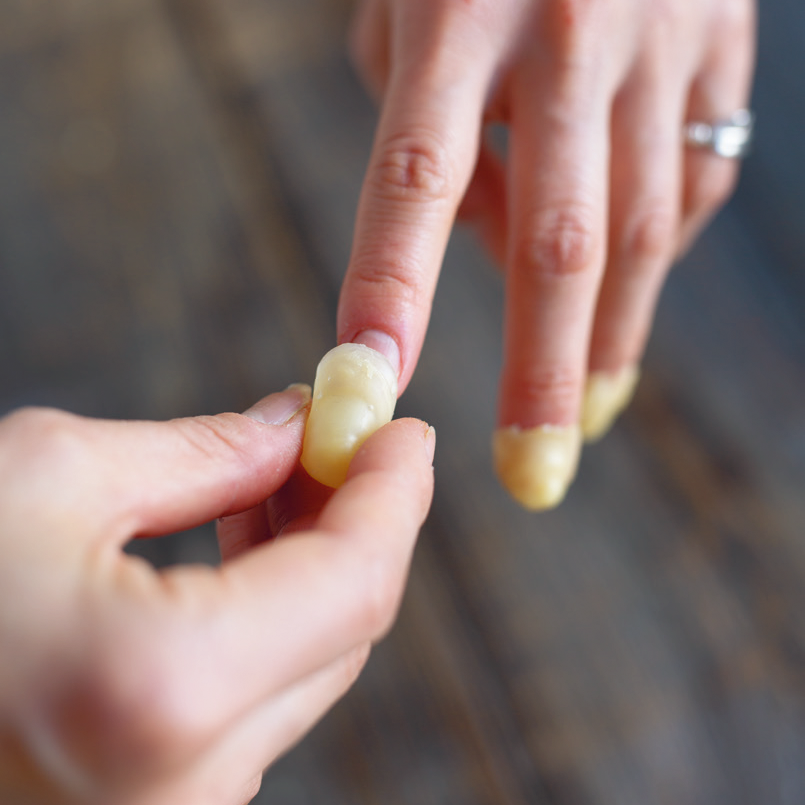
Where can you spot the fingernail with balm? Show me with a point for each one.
(606, 395)
(537, 465)
(383, 343)
(280, 408)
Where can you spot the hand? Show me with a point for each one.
(596, 198)
(121, 685)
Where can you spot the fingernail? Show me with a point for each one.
(606, 394)
(537, 465)
(279, 408)
(383, 343)
(430, 442)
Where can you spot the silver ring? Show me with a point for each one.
(730, 138)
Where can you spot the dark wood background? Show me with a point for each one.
(177, 185)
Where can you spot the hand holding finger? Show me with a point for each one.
(192, 664)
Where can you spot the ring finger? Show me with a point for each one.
(644, 224)
(720, 87)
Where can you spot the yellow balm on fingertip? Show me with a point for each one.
(354, 394)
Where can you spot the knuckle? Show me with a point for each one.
(384, 280)
(736, 21)
(570, 14)
(561, 385)
(45, 435)
(212, 436)
(651, 235)
(137, 708)
(560, 243)
(379, 595)
(415, 168)
(482, 16)
(442, 35)
(571, 27)
(670, 19)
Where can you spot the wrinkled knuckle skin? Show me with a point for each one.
(560, 243)
(413, 169)
(562, 385)
(389, 280)
(214, 437)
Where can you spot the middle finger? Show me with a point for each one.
(559, 150)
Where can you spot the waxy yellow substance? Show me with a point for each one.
(605, 397)
(354, 394)
(536, 465)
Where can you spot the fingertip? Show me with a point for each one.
(403, 451)
(381, 342)
(606, 395)
(386, 320)
(401, 442)
(537, 465)
(281, 407)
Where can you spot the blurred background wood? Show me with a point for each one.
(177, 186)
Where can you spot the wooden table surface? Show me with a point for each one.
(177, 186)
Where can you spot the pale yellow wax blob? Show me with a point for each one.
(354, 394)
(537, 465)
(606, 395)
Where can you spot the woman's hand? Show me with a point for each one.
(121, 685)
(596, 197)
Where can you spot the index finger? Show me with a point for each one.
(423, 157)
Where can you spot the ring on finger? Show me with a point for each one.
(730, 138)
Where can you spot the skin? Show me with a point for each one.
(594, 199)
(123, 685)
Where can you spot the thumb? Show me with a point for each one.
(123, 479)
(189, 471)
